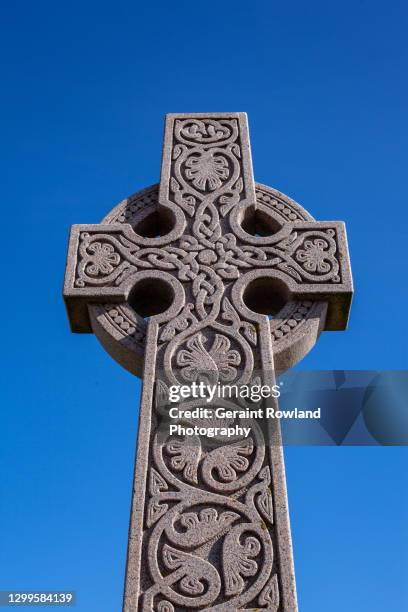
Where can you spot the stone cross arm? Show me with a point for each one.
(306, 261)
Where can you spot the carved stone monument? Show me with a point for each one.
(206, 255)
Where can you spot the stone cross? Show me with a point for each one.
(206, 256)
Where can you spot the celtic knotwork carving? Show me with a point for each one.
(165, 606)
(207, 289)
(232, 196)
(179, 323)
(206, 131)
(207, 259)
(206, 226)
(229, 314)
(206, 164)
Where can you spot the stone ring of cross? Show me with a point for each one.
(208, 270)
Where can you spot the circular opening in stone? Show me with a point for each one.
(150, 297)
(266, 295)
(155, 225)
(257, 222)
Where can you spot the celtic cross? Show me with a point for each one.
(206, 256)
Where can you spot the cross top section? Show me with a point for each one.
(216, 234)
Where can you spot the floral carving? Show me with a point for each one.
(185, 457)
(203, 526)
(314, 256)
(102, 259)
(238, 561)
(216, 364)
(207, 170)
(206, 160)
(228, 460)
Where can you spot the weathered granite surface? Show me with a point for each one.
(200, 254)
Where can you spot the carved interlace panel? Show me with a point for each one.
(293, 320)
(207, 258)
(209, 528)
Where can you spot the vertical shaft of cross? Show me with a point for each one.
(206, 170)
(186, 478)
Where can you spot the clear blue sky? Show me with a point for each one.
(85, 86)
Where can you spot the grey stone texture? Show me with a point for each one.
(206, 255)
